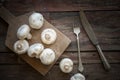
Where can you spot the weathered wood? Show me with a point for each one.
(104, 23)
(91, 72)
(3, 33)
(6, 15)
(87, 57)
(91, 57)
(20, 7)
(25, 72)
(16, 22)
(4, 28)
(20, 72)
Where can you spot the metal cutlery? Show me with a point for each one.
(93, 39)
(76, 30)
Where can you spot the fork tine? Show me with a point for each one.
(76, 28)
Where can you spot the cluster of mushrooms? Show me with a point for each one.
(37, 50)
(48, 36)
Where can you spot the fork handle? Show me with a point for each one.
(80, 66)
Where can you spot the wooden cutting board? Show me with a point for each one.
(59, 46)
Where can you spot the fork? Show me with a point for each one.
(76, 30)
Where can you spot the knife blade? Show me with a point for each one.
(93, 38)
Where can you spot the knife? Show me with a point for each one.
(93, 39)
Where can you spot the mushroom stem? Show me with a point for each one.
(35, 50)
(19, 46)
(66, 67)
(29, 36)
(33, 54)
(47, 36)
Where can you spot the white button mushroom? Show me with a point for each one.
(21, 46)
(48, 36)
(77, 76)
(66, 65)
(24, 32)
(36, 20)
(35, 50)
(47, 57)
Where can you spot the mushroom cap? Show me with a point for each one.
(77, 76)
(21, 46)
(23, 31)
(35, 50)
(48, 36)
(47, 57)
(66, 65)
(36, 20)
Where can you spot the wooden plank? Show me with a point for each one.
(87, 57)
(104, 23)
(20, 7)
(91, 72)
(91, 57)
(25, 72)
(10, 58)
(20, 72)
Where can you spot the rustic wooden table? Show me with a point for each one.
(104, 17)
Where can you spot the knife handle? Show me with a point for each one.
(80, 65)
(103, 58)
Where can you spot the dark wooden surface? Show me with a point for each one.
(104, 17)
(15, 22)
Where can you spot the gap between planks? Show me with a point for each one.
(87, 57)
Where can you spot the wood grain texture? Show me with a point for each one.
(104, 23)
(87, 58)
(104, 16)
(91, 72)
(25, 72)
(11, 38)
(20, 7)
